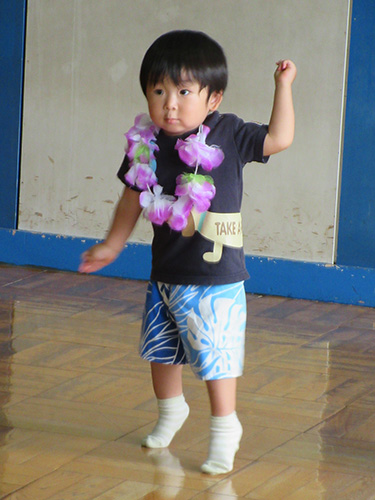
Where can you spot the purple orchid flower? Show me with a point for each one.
(194, 151)
(158, 206)
(141, 134)
(180, 213)
(199, 188)
(141, 175)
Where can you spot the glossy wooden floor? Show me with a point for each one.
(76, 399)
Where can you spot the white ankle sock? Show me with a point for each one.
(172, 414)
(226, 433)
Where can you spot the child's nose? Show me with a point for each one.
(170, 101)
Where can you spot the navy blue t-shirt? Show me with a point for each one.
(210, 250)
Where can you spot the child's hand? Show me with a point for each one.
(286, 72)
(96, 258)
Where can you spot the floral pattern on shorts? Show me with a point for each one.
(200, 325)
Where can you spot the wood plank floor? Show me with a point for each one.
(75, 399)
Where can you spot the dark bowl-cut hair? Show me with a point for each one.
(200, 56)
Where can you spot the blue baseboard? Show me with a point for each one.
(311, 280)
(26, 248)
(268, 276)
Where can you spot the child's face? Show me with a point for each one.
(178, 109)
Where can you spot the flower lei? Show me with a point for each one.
(192, 190)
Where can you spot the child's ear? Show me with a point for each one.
(214, 100)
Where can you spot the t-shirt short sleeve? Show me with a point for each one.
(249, 139)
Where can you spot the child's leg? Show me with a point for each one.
(166, 380)
(226, 429)
(173, 409)
(222, 394)
(160, 341)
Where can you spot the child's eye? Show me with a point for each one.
(158, 91)
(184, 92)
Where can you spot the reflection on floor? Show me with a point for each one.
(75, 399)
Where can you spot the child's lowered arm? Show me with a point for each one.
(281, 127)
(126, 215)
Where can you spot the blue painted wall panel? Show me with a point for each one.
(12, 32)
(268, 276)
(63, 252)
(356, 240)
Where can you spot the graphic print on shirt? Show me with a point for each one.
(223, 229)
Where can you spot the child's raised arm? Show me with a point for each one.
(126, 215)
(281, 127)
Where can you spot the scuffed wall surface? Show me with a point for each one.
(82, 93)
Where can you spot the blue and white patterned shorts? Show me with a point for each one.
(200, 325)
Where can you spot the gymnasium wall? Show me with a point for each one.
(69, 91)
(82, 93)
